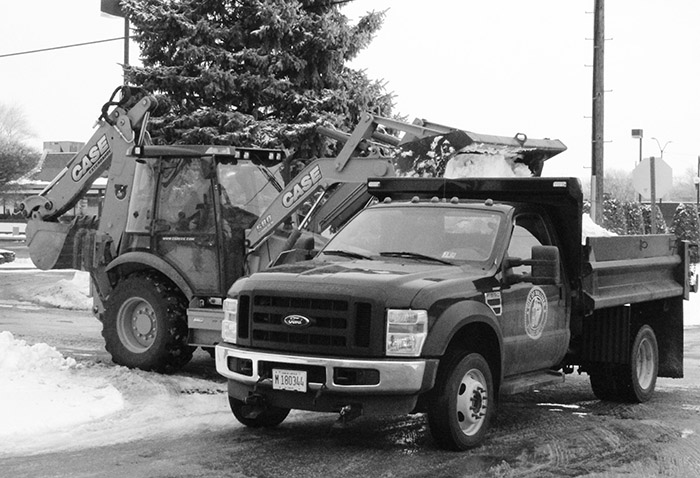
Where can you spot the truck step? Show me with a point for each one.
(530, 381)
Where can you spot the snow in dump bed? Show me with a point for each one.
(591, 229)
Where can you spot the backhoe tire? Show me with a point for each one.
(257, 416)
(145, 324)
(460, 412)
(637, 380)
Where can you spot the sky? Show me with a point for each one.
(499, 67)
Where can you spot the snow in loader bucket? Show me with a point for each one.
(451, 154)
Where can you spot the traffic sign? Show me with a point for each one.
(641, 177)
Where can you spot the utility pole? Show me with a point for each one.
(597, 136)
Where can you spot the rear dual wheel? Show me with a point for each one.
(633, 382)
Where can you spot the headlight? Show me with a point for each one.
(405, 332)
(229, 326)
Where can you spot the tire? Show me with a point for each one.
(257, 416)
(145, 324)
(460, 412)
(637, 380)
(604, 383)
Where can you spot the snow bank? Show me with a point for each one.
(51, 403)
(41, 391)
(67, 294)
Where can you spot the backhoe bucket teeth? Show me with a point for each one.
(54, 245)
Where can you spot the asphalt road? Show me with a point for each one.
(560, 431)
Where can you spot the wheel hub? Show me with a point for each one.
(472, 403)
(143, 323)
(137, 325)
(645, 364)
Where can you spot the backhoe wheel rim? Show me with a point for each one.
(645, 364)
(136, 325)
(472, 402)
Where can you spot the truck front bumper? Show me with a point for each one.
(394, 376)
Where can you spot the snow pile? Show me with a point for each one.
(495, 165)
(51, 403)
(67, 294)
(41, 391)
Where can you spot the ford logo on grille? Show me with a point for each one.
(296, 321)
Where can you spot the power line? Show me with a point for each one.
(60, 47)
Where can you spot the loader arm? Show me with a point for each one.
(47, 236)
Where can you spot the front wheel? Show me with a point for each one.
(460, 412)
(257, 416)
(145, 324)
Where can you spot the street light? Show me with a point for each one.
(639, 133)
(660, 148)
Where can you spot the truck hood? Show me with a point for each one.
(395, 282)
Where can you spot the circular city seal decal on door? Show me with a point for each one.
(535, 312)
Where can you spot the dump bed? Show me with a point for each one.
(621, 270)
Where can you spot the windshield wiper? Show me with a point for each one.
(415, 255)
(353, 255)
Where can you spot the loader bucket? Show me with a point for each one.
(55, 245)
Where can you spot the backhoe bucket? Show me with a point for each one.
(54, 245)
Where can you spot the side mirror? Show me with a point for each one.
(545, 264)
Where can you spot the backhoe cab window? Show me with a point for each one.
(245, 186)
(454, 235)
(184, 198)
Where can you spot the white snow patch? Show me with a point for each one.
(42, 391)
(67, 294)
(51, 403)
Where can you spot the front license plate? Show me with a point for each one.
(294, 380)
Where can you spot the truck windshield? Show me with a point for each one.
(447, 234)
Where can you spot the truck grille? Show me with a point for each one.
(337, 325)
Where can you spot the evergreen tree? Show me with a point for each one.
(254, 72)
(686, 226)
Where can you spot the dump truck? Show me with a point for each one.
(178, 224)
(445, 295)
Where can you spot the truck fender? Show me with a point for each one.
(134, 261)
(454, 319)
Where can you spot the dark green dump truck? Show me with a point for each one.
(448, 293)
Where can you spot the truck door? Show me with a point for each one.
(535, 319)
(185, 221)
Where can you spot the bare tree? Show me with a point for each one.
(13, 124)
(618, 184)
